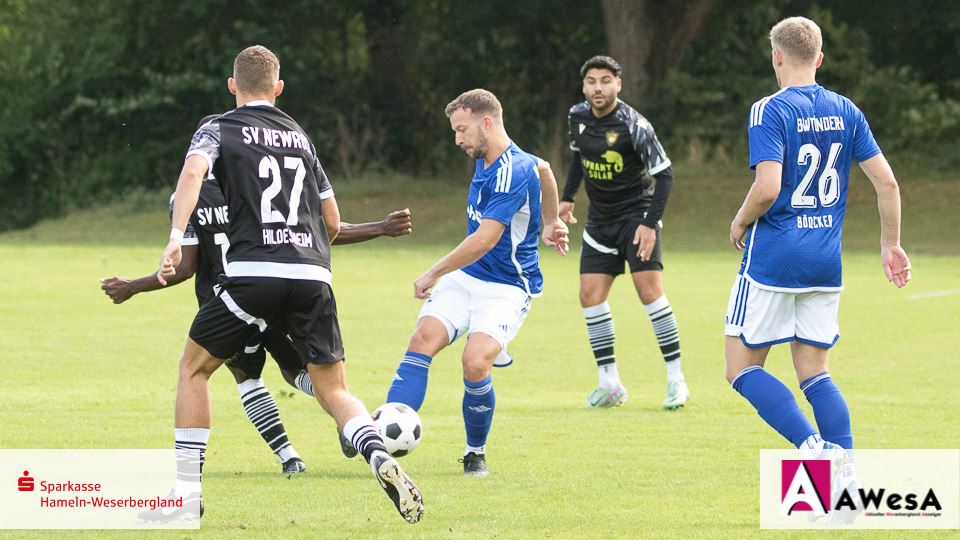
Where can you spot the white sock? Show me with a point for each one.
(474, 449)
(608, 376)
(190, 446)
(674, 372)
(286, 454)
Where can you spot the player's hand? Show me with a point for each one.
(556, 235)
(169, 261)
(397, 223)
(566, 212)
(117, 288)
(896, 264)
(645, 239)
(737, 233)
(423, 284)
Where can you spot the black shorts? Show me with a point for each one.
(254, 354)
(304, 309)
(606, 247)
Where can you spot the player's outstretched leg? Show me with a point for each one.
(409, 385)
(329, 382)
(601, 335)
(301, 381)
(264, 414)
(668, 338)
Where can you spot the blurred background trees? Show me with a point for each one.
(100, 98)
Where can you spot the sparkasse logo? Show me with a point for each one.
(25, 482)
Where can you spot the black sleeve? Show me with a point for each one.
(574, 178)
(661, 192)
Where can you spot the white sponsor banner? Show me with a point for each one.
(92, 489)
(878, 489)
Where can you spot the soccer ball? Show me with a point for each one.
(399, 426)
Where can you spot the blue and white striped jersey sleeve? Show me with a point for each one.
(765, 133)
(509, 192)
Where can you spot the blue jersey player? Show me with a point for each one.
(802, 141)
(483, 288)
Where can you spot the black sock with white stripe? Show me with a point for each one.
(364, 436)
(668, 336)
(263, 413)
(190, 448)
(601, 334)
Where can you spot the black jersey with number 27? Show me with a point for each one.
(273, 184)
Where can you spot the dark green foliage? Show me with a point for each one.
(100, 98)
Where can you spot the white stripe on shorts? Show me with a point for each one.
(240, 313)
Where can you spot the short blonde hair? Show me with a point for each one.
(256, 70)
(477, 101)
(798, 37)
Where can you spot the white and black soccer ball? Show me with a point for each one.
(399, 426)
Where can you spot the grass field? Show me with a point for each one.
(85, 373)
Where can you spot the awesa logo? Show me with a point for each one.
(805, 486)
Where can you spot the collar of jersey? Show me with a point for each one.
(484, 169)
(258, 103)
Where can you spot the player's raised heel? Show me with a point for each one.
(190, 508)
(603, 398)
(346, 447)
(294, 466)
(677, 395)
(401, 490)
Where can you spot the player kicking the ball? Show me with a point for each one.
(483, 288)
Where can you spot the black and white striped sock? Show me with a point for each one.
(600, 332)
(304, 383)
(190, 448)
(263, 413)
(668, 336)
(601, 335)
(364, 436)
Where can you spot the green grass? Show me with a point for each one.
(704, 200)
(84, 373)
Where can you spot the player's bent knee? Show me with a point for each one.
(429, 339)
(197, 361)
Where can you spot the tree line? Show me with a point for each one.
(102, 97)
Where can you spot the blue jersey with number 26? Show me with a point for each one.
(815, 134)
(508, 191)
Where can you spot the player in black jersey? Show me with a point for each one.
(628, 178)
(204, 247)
(282, 218)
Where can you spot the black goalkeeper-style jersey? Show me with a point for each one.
(273, 183)
(619, 154)
(207, 229)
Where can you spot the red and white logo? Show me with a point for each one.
(804, 486)
(25, 482)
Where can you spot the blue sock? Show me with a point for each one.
(829, 408)
(409, 384)
(774, 403)
(479, 401)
